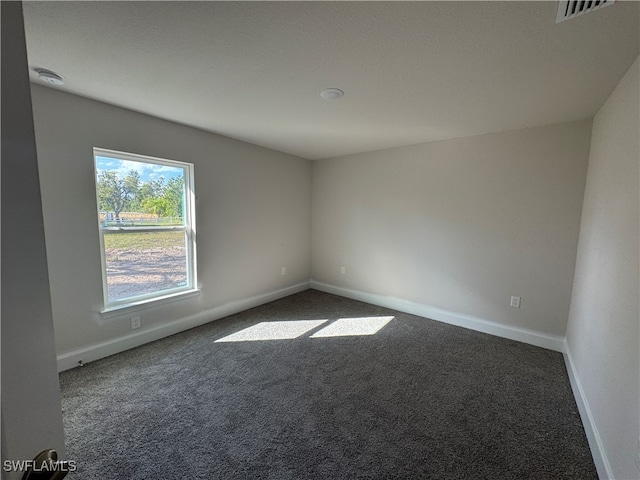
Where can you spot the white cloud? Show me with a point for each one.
(147, 171)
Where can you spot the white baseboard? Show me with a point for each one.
(104, 349)
(544, 340)
(595, 443)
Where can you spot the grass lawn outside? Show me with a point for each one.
(143, 241)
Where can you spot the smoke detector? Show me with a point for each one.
(331, 93)
(574, 8)
(50, 77)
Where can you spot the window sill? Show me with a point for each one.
(134, 306)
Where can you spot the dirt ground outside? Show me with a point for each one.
(132, 272)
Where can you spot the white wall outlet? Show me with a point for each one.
(515, 302)
(343, 270)
(284, 270)
(135, 323)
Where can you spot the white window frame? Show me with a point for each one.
(189, 228)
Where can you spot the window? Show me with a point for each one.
(146, 220)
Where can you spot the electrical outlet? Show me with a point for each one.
(135, 323)
(343, 270)
(515, 302)
(284, 270)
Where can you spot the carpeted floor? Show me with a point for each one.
(417, 399)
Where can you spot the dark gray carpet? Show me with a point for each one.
(419, 399)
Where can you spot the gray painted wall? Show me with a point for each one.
(603, 335)
(460, 225)
(252, 209)
(31, 412)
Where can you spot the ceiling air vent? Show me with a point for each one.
(573, 8)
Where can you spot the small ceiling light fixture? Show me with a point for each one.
(331, 93)
(50, 77)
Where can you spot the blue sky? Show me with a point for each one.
(147, 171)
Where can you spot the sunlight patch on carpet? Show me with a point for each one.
(347, 327)
(273, 331)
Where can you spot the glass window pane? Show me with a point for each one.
(134, 193)
(144, 263)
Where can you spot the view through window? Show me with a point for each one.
(146, 223)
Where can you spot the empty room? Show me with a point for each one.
(323, 240)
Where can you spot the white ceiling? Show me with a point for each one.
(412, 72)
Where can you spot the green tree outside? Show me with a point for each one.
(130, 194)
